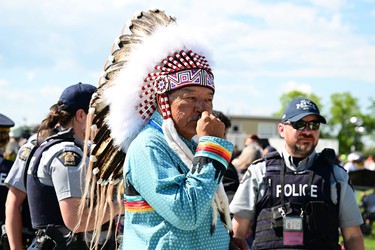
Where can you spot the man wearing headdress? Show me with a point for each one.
(161, 98)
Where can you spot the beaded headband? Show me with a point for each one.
(194, 77)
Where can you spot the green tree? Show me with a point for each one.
(288, 97)
(345, 121)
(369, 125)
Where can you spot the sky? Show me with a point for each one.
(260, 49)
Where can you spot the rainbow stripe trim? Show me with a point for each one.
(214, 151)
(136, 204)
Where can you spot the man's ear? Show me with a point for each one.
(281, 129)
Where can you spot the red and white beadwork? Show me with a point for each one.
(184, 68)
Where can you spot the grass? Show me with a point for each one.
(370, 239)
(370, 242)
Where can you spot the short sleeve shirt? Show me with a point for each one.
(16, 176)
(60, 167)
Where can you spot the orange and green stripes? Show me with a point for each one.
(136, 204)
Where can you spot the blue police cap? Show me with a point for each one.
(76, 97)
(300, 107)
(5, 122)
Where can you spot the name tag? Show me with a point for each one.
(292, 230)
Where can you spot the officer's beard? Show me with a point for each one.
(302, 150)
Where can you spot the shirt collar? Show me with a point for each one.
(302, 165)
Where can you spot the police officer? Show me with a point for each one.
(5, 166)
(18, 223)
(297, 198)
(55, 174)
(53, 181)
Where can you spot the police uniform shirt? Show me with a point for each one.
(15, 177)
(60, 167)
(252, 189)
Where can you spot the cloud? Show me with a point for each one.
(3, 83)
(332, 4)
(293, 85)
(52, 92)
(30, 75)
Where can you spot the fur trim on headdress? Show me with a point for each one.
(126, 93)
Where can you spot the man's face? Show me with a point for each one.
(300, 143)
(186, 106)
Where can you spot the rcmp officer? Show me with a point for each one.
(53, 175)
(5, 165)
(18, 223)
(297, 199)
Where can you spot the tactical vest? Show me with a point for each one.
(305, 194)
(43, 202)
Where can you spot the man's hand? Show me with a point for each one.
(209, 125)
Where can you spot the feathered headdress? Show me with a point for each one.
(156, 57)
(168, 59)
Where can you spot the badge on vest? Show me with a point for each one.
(69, 158)
(25, 152)
(292, 230)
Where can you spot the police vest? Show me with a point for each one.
(304, 194)
(43, 202)
(5, 166)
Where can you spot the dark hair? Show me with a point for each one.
(223, 118)
(4, 138)
(254, 137)
(56, 116)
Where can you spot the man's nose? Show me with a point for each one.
(200, 105)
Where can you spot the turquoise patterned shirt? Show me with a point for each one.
(167, 206)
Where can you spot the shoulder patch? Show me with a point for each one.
(69, 158)
(24, 153)
(246, 176)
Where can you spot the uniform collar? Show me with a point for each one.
(302, 165)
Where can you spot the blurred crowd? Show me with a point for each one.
(17, 138)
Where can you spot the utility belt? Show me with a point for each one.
(53, 238)
(27, 237)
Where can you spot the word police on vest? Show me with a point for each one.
(297, 190)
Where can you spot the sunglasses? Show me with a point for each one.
(301, 125)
